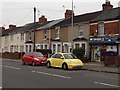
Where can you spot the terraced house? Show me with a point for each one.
(104, 34)
(88, 31)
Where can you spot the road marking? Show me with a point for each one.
(13, 67)
(60, 76)
(0, 87)
(106, 84)
(51, 74)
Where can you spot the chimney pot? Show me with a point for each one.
(107, 6)
(42, 19)
(68, 13)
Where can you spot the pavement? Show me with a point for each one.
(100, 67)
(95, 66)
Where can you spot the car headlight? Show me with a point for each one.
(36, 59)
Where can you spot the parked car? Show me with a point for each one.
(64, 61)
(34, 58)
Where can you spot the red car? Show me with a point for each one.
(34, 58)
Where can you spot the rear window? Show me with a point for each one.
(38, 54)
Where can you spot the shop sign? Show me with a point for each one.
(110, 38)
(97, 39)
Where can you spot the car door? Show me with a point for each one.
(53, 60)
(26, 57)
(58, 60)
(30, 58)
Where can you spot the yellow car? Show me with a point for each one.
(64, 61)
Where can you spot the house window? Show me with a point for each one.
(11, 48)
(45, 46)
(54, 48)
(83, 46)
(26, 48)
(81, 30)
(22, 36)
(101, 28)
(59, 48)
(30, 48)
(57, 33)
(45, 34)
(30, 35)
(41, 46)
(76, 45)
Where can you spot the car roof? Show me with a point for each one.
(61, 53)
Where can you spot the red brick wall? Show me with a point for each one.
(93, 29)
(111, 28)
(8, 55)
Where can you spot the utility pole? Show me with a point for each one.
(72, 28)
(34, 29)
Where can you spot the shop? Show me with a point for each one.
(103, 46)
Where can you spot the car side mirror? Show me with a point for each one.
(61, 58)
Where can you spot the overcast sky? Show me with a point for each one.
(20, 12)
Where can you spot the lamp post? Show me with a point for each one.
(34, 29)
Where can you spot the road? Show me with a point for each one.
(16, 75)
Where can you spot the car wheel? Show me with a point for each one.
(64, 66)
(48, 65)
(23, 62)
(33, 64)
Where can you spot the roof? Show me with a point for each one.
(80, 39)
(49, 25)
(28, 27)
(108, 15)
(78, 19)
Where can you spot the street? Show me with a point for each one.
(16, 75)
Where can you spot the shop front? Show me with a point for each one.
(103, 46)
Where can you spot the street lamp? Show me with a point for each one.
(34, 29)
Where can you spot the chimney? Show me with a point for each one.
(68, 14)
(107, 6)
(11, 27)
(42, 19)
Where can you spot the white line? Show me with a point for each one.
(106, 84)
(0, 87)
(44, 73)
(51, 74)
(60, 76)
(13, 67)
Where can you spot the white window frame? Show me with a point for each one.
(81, 30)
(57, 34)
(45, 34)
(101, 25)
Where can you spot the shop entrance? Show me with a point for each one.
(96, 53)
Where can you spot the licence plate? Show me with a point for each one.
(43, 62)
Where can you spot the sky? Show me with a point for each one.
(20, 12)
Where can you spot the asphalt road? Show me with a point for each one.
(16, 75)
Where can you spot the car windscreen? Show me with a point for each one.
(69, 56)
(37, 54)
